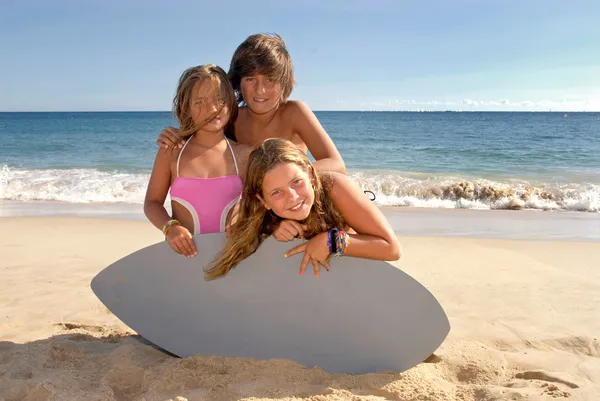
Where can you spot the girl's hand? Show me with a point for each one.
(181, 241)
(315, 250)
(288, 230)
(169, 137)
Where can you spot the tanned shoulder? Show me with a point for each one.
(297, 108)
(339, 181)
(167, 156)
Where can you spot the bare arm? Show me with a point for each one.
(158, 187)
(320, 145)
(178, 237)
(375, 238)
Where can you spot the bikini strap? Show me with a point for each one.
(180, 152)
(233, 154)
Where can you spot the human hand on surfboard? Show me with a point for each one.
(315, 250)
(181, 241)
(288, 230)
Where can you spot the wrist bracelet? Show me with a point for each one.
(168, 225)
(331, 240)
(337, 241)
(342, 241)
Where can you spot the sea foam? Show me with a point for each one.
(390, 189)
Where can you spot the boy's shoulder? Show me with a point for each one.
(296, 110)
(295, 106)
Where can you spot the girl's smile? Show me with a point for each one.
(288, 192)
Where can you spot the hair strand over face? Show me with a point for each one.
(189, 80)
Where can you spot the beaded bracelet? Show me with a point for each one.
(331, 243)
(343, 239)
(337, 241)
(168, 225)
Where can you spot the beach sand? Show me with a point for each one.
(525, 319)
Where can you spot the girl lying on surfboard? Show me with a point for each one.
(281, 183)
(204, 176)
(262, 75)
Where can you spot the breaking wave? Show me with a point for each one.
(390, 189)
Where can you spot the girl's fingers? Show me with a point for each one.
(315, 266)
(176, 247)
(185, 244)
(304, 263)
(298, 249)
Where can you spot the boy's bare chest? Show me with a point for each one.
(252, 134)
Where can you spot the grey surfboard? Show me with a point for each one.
(362, 316)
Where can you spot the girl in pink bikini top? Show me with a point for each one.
(205, 107)
(208, 200)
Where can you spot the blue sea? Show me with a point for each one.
(466, 160)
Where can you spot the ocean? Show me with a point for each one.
(457, 160)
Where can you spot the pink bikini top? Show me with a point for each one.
(207, 199)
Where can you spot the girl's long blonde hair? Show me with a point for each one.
(254, 223)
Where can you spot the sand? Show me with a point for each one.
(525, 319)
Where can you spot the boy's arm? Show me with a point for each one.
(320, 145)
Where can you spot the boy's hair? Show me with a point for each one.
(185, 89)
(264, 54)
(254, 223)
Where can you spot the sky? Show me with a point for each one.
(67, 55)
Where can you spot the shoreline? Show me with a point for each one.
(559, 225)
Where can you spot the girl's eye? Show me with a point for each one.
(275, 193)
(297, 182)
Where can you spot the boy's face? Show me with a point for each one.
(260, 93)
(208, 109)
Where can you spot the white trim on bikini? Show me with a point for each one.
(226, 212)
(237, 172)
(192, 211)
